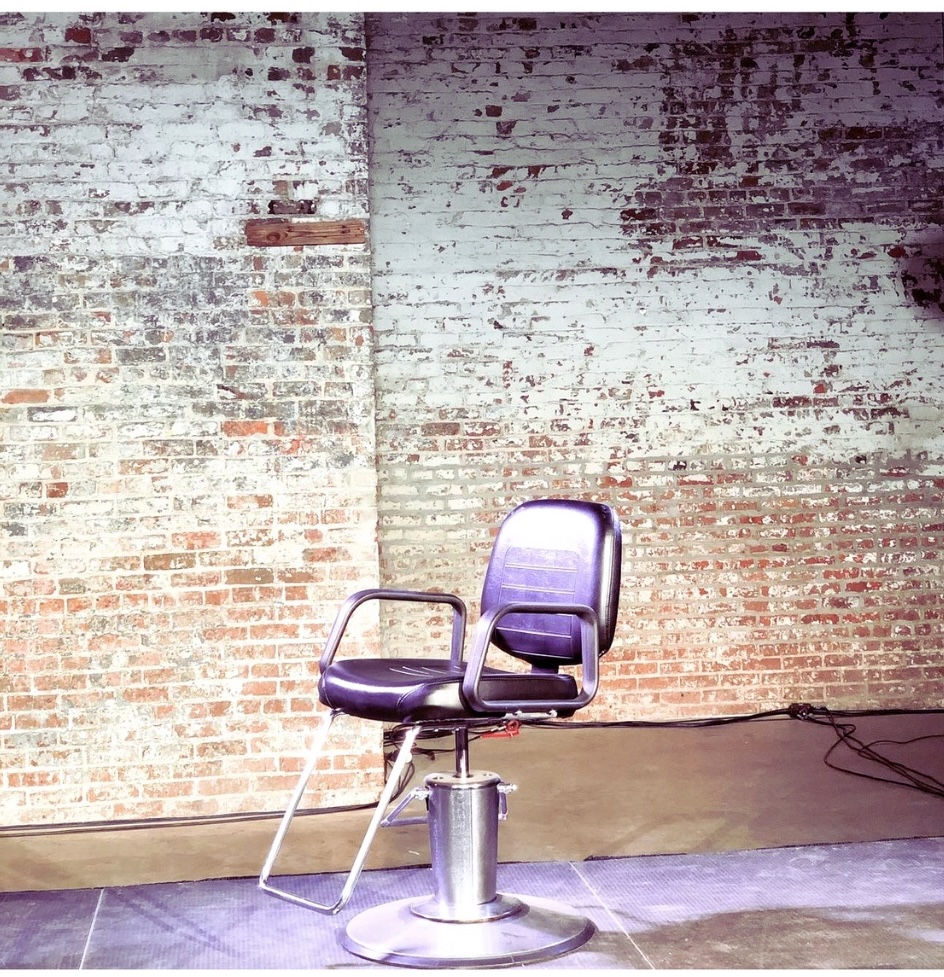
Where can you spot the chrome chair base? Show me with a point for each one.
(537, 930)
(549, 600)
(466, 922)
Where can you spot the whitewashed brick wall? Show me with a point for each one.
(186, 423)
(689, 265)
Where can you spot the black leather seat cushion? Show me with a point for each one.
(406, 690)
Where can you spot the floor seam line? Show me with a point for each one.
(88, 939)
(612, 915)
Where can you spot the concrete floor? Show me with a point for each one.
(582, 794)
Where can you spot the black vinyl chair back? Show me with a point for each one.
(554, 551)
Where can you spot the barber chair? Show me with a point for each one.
(549, 600)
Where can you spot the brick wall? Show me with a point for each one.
(689, 265)
(186, 422)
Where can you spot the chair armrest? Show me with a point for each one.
(589, 657)
(417, 596)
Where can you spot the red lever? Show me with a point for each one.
(511, 728)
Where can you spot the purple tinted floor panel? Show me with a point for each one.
(869, 905)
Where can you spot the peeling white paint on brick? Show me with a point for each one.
(642, 243)
(689, 265)
(179, 526)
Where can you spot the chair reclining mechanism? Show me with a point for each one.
(550, 600)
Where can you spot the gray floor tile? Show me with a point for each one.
(879, 904)
(45, 929)
(870, 905)
(231, 924)
(609, 948)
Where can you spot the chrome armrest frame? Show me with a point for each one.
(341, 621)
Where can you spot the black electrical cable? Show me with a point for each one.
(659, 724)
(27, 831)
(845, 736)
(804, 712)
(393, 737)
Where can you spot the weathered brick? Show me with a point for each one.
(668, 274)
(655, 297)
(138, 406)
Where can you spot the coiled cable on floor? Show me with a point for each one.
(846, 736)
(819, 716)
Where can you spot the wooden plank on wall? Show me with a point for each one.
(282, 233)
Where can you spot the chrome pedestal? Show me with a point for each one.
(466, 922)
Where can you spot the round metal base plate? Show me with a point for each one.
(394, 934)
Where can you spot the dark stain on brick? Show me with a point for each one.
(922, 275)
(792, 403)
(303, 55)
(292, 207)
(645, 63)
(67, 72)
(347, 73)
(656, 264)
(121, 54)
(21, 55)
(637, 215)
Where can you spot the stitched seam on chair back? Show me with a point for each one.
(543, 576)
